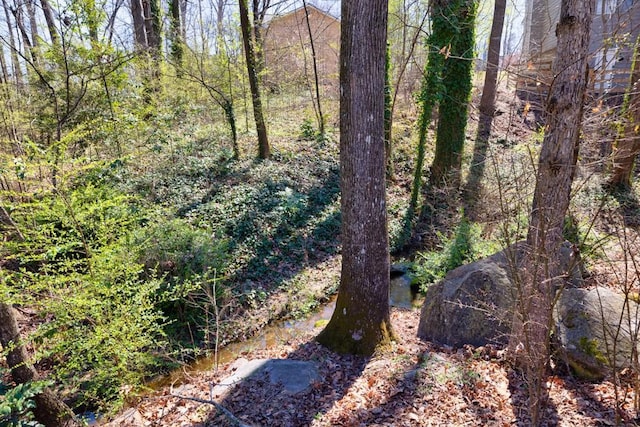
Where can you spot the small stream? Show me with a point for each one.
(400, 295)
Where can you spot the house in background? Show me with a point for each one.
(287, 48)
(614, 29)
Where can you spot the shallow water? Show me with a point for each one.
(400, 295)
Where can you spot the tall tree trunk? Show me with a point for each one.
(5, 70)
(487, 103)
(148, 40)
(219, 6)
(139, 32)
(259, 9)
(49, 410)
(628, 141)
(152, 26)
(51, 23)
(318, 102)
(455, 20)
(33, 23)
(264, 151)
(361, 321)
(431, 90)
(177, 42)
(13, 48)
(542, 278)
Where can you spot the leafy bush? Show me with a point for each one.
(307, 130)
(179, 251)
(466, 245)
(101, 327)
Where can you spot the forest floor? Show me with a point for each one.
(413, 382)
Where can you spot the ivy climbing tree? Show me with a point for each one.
(447, 85)
(453, 23)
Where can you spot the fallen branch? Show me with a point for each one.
(218, 406)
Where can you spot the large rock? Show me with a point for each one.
(296, 376)
(471, 305)
(590, 323)
(474, 303)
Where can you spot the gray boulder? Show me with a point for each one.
(471, 305)
(474, 303)
(597, 330)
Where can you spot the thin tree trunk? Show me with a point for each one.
(51, 23)
(13, 49)
(361, 320)
(264, 151)
(541, 279)
(49, 410)
(406, 58)
(628, 142)
(318, 102)
(112, 21)
(17, 14)
(487, 104)
(388, 146)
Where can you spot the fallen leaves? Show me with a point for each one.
(414, 383)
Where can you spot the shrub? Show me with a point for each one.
(100, 329)
(466, 245)
(178, 251)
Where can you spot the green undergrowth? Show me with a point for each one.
(136, 263)
(17, 403)
(466, 244)
(98, 330)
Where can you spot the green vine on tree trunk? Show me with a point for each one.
(446, 81)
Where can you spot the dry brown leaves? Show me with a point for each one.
(412, 384)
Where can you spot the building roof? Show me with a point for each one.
(310, 5)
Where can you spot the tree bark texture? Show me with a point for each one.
(488, 99)
(454, 22)
(259, 9)
(177, 42)
(264, 151)
(49, 410)
(139, 32)
(628, 142)
(361, 322)
(556, 168)
(152, 12)
(33, 23)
